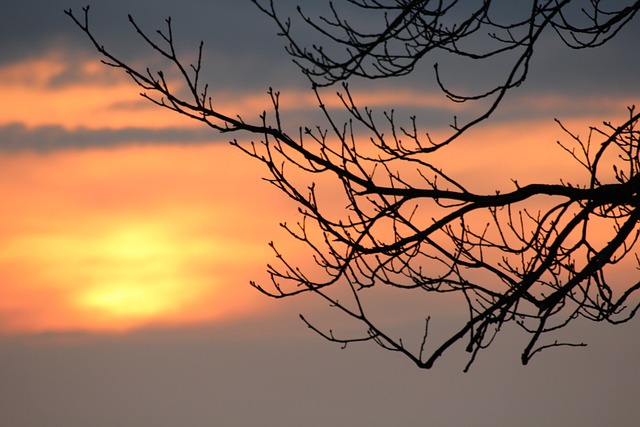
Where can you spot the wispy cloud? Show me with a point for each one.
(17, 137)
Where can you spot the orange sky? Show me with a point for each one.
(116, 238)
(108, 239)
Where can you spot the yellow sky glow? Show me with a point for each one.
(174, 247)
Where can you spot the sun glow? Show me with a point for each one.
(165, 240)
(137, 274)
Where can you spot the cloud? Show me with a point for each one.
(16, 137)
(239, 60)
(234, 56)
(52, 80)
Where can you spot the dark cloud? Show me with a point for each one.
(242, 48)
(16, 137)
(244, 52)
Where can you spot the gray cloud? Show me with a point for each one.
(16, 137)
(242, 48)
(243, 51)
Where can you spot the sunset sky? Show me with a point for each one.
(129, 235)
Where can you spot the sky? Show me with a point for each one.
(129, 236)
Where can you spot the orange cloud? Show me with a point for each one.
(83, 93)
(93, 96)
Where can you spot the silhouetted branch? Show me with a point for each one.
(405, 223)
